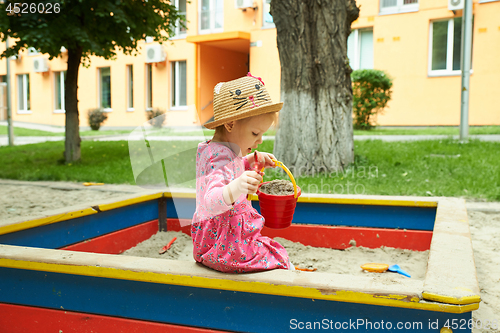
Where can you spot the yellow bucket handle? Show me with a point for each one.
(280, 164)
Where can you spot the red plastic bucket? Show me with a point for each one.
(277, 209)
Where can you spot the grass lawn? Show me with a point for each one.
(422, 168)
(438, 130)
(19, 131)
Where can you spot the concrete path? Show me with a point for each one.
(485, 207)
(23, 140)
(484, 137)
(41, 127)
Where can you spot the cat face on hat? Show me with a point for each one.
(241, 98)
(252, 94)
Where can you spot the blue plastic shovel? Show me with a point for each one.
(397, 269)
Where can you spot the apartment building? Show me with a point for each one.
(417, 42)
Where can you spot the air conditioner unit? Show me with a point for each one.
(155, 53)
(32, 51)
(243, 4)
(40, 65)
(16, 57)
(456, 4)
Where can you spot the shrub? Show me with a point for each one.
(156, 117)
(96, 118)
(371, 90)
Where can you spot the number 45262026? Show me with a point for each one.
(32, 8)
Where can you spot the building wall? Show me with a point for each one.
(401, 47)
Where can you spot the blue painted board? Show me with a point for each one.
(208, 308)
(69, 232)
(76, 230)
(417, 218)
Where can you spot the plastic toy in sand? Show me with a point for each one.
(381, 268)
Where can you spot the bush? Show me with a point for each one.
(156, 117)
(96, 118)
(371, 90)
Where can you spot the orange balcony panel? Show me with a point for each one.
(238, 41)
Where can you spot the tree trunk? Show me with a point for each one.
(72, 143)
(315, 132)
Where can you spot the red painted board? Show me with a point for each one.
(118, 241)
(175, 225)
(339, 237)
(22, 319)
(313, 235)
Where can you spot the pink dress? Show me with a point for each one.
(227, 237)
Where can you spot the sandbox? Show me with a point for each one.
(60, 272)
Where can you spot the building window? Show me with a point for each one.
(211, 16)
(445, 47)
(181, 7)
(179, 85)
(360, 49)
(267, 19)
(23, 93)
(59, 78)
(398, 6)
(130, 88)
(105, 88)
(149, 87)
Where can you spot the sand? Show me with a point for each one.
(23, 201)
(181, 249)
(278, 187)
(324, 260)
(485, 234)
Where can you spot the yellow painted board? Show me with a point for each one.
(370, 202)
(105, 207)
(451, 300)
(129, 202)
(75, 214)
(340, 201)
(46, 220)
(451, 256)
(242, 286)
(186, 195)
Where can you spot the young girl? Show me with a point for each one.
(226, 228)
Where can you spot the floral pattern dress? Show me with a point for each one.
(227, 237)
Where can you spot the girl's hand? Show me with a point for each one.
(268, 163)
(265, 158)
(248, 182)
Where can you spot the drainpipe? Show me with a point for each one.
(9, 109)
(466, 64)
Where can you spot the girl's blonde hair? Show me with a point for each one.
(221, 130)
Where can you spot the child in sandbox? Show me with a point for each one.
(226, 228)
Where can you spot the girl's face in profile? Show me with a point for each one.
(247, 133)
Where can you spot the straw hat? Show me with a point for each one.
(241, 98)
